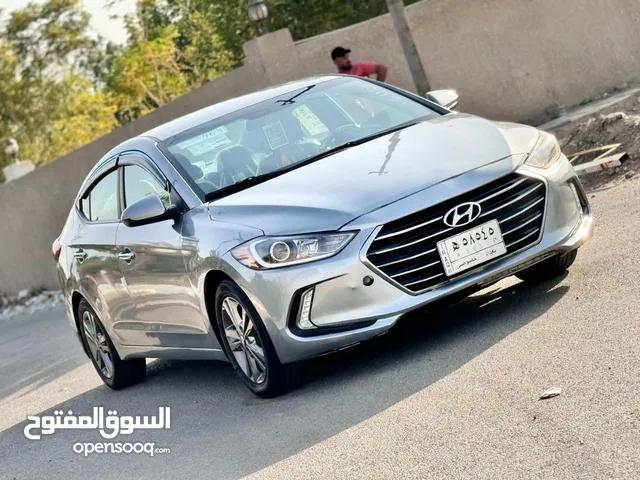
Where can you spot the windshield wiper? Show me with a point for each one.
(291, 100)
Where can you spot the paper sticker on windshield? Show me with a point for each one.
(211, 143)
(275, 135)
(220, 131)
(310, 120)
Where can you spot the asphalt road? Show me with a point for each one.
(450, 393)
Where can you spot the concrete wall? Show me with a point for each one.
(275, 56)
(508, 59)
(35, 207)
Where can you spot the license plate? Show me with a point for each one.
(471, 248)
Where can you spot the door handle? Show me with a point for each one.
(80, 255)
(127, 255)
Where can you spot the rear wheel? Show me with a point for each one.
(114, 372)
(247, 344)
(549, 268)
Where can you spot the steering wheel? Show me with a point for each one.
(293, 153)
(337, 133)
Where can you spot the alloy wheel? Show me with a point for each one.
(98, 344)
(243, 340)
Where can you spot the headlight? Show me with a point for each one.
(275, 252)
(545, 153)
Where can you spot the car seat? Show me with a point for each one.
(196, 174)
(236, 164)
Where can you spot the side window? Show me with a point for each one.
(102, 203)
(138, 183)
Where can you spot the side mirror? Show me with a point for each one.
(446, 98)
(148, 209)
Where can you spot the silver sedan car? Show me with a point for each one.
(304, 219)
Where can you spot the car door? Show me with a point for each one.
(95, 260)
(152, 261)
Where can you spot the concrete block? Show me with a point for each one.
(17, 169)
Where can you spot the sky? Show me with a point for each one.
(100, 22)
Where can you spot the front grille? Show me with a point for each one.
(405, 249)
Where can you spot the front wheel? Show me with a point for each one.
(549, 268)
(114, 372)
(247, 344)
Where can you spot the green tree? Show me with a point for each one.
(26, 103)
(304, 18)
(206, 55)
(61, 87)
(201, 32)
(83, 115)
(147, 75)
(211, 33)
(49, 36)
(172, 48)
(46, 101)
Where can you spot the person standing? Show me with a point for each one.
(340, 57)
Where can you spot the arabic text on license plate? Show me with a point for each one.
(473, 247)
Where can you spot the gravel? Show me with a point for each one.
(28, 302)
(619, 123)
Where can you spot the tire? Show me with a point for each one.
(252, 355)
(99, 348)
(549, 268)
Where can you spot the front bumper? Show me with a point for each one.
(348, 312)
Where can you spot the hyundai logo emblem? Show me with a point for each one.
(462, 215)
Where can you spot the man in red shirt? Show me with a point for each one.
(340, 57)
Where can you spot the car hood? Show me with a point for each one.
(327, 194)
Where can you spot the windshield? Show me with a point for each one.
(278, 133)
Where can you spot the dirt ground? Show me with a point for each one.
(619, 123)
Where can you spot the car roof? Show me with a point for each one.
(194, 119)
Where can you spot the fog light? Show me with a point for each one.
(304, 318)
(576, 197)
